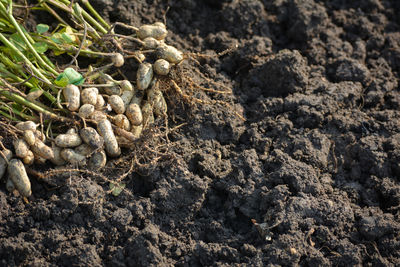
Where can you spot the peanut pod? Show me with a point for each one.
(29, 158)
(10, 185)
(41, 150)
(117, 104)
(161, 67)
(118, 60)
(89, 95)
(29, 137)
(57, 160)
(19, 177)
(97, 161)
(21, 148)
(147, 113)
(126, 85)
(86, 110)
(84, 149)
(169, 53)
(91, 137)
(26, 125)
(134, 114)
(113, 90)
(159, 103)
(137, 131)
(144, 76)
(39, 135)
(70, 156)
(127, 97)
(150, 43)
(100, 102)
(137, 98)
(4, 162)
(72, 96)
(110, 142)
(157, 31)
(122, 122)
(68, 140)
(97, 116)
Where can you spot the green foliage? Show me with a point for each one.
(42, 28)
(69, 76)
(116, 189)
(40, 47)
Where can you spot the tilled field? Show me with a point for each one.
(316, 164)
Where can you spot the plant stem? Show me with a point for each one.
(19, 53)
(64, 5)
(8, 74)
(32, 67)
(22, 101)
(54, 13)
(25, 39)
(45, 93)
(88, 17)
(19, 113)
(8, 116)
(95, 14)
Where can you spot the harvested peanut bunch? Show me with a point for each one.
(82, 117)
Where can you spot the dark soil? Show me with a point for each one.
(317, 160)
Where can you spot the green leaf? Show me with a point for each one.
(67, 38)
(42, 28)
(69, 76)
(56, 37)
(73, 76)
(40, 47)
(79, 82)
(16, 58)
(17, 40)
(61, 80)
(117, 188)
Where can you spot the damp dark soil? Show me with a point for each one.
(316, 164)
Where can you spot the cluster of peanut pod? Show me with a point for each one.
(114, 116)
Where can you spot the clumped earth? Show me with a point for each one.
(316, 164)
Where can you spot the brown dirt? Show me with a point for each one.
(318, 157)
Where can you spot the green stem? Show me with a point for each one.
(23, 36)
(22, 101)
(19, 113)
(7, 74)
(27, 61)
(95, 14)
(9, 63)
(92, 53)
(54, 13)
(87, 17)
(8, 116)
(94, 22)
(33, 68)
(83, 16)
(64, 5)
(72, 49)
(45, 93)
(11, 66)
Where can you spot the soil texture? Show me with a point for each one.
(311, 178)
